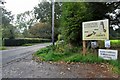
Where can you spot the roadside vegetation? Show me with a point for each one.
(3, 48)
(115, 43)
(70, 31)
(61, 52)
(27, 45)
(24, 41)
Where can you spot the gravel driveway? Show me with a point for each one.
(28, 68)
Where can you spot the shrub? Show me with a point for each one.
(19, 42)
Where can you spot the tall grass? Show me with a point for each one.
(69, 55)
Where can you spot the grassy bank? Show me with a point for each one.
(71, 55)
(3, 48)
(115, 43)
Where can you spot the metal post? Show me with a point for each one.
(53, 22)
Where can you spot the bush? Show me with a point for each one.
(19, 42)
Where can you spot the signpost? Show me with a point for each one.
(108, 54)
(95, 30)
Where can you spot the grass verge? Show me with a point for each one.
(3, 48)
(27, 45)
(50, 54)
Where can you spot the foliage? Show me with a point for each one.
(98, 10)
(114, 17)
(0, 35)
(8, 32)
(50, 54)
(7, 28)
(27, 45)
(2, 48)
(19, 42)
(43, 14)
(72, 18)
(40, 30)
(24, 22)
(113, 43)
(114, 13)
(43, 11)
(7, 17)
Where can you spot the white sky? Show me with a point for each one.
(20, 6)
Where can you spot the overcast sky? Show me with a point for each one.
(20, 6)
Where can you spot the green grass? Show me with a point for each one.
(89, 58)
(50, 54)
(27, 45)
(47, 54)
(115, 43)
(3, 48)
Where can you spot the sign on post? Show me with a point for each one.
(107, 43)
(94, 44)
(96, 30)
(108, 54)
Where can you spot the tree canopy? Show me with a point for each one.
(73, 14)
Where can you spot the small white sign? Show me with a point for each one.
(94, 44)
(107, 43)
(108, 54)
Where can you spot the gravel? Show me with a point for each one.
(28, 68)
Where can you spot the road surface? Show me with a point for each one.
(12, 54)
(19, 64)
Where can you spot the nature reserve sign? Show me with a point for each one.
(96, 30)
(108, 54)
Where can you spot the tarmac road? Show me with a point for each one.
(19, 52)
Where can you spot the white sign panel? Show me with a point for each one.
(108, 54)
(96, 30)
(94, 44)
(107, 43)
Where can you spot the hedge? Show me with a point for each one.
(19, 42)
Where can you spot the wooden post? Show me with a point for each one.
(84, 47)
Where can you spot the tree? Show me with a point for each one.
(114, 17)
(7, 17)
(73, 14)
(9, 32)
(98, 10)
(7, 28)
(44, 14)
(40, 30)
(25, 21)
